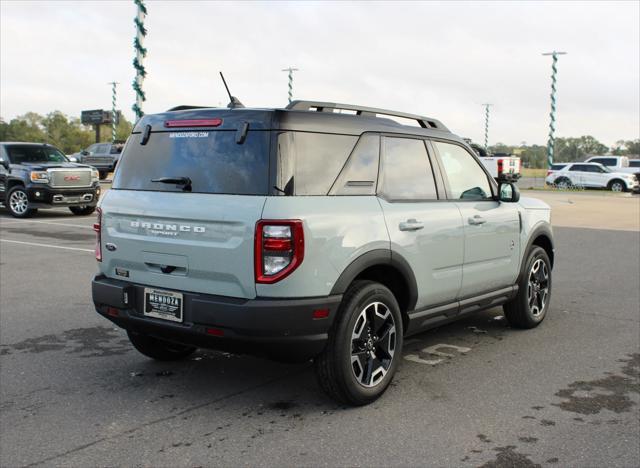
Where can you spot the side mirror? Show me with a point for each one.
(5, 164)
(84, 153)
(508, 192)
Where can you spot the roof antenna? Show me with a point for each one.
(234, 102)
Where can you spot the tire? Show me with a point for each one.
(617, 185)
(103, 174)
(563, 183)
(157, 349)
(356, 370)
(529, 308)
(17, 203)
(82, 210)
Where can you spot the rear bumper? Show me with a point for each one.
(282, 328)
(43, 196)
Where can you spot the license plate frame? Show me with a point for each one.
(163, 304)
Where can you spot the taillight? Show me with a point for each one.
(193, 123)
(279, 249)
(97, 227)
(500, 164)
(549, 172)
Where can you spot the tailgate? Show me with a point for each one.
(192, 242)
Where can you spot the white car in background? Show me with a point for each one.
(590, 175)
(617, 163)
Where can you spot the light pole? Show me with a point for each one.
(552, 115)
(290, 70)
(486, 126)
(141, 53)
(113, 110)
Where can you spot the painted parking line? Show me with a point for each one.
(11, 241)
(435, 351)
(21, 221)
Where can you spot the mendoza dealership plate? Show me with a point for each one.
(165, 305)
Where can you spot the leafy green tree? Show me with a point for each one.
(632, 147)
(66, 133)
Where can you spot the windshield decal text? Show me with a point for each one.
(188, 135)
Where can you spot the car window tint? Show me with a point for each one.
(634, 163)
(467, 180)
(407, 173)
(310, 162)
(557, 167)
(577, 168)
(360, 174)
(212, 160)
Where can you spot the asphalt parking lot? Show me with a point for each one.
(73, 392)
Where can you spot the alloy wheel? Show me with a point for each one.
(19, 202)
(538, 287)
(373, 343)
(616, 187)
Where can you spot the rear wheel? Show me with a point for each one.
(82, 210)
(530, 306)
(364, 346)
(157, 349)
(17, 203)
(617, 185)
(562, 183)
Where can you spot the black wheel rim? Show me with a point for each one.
(538, 287)
(373, 343)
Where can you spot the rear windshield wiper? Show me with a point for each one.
(185, 182)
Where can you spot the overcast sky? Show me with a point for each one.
(437, 59)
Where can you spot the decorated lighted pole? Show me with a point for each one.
(486, 125)
(290, 70)
(552, 115)
(141, 53)
(113, 110)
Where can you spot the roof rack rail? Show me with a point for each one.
(317, 106)
(187, 107)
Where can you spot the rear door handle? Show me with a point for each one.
(477, 219)
(411, 225)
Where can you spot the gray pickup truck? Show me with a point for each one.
(102, 156)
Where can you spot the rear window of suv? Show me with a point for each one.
(213, 161)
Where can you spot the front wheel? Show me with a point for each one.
(82, 210)
(364, 345)
(157, 349)
(18, 203)
(617, 186)
(529, 308)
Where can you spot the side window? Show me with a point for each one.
(634, 163)
(102, 149)
(607, 162)
(467, 180)
(309, 163)
(577, 168)
(360, 174)
(92, 148)
(406, 170)
(599, 160)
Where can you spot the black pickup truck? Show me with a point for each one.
(36, 175)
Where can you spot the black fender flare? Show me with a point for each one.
(540, 230)
(375, 258)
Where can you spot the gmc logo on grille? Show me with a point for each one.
(72, 177)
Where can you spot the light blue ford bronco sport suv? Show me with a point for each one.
(319, 231)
